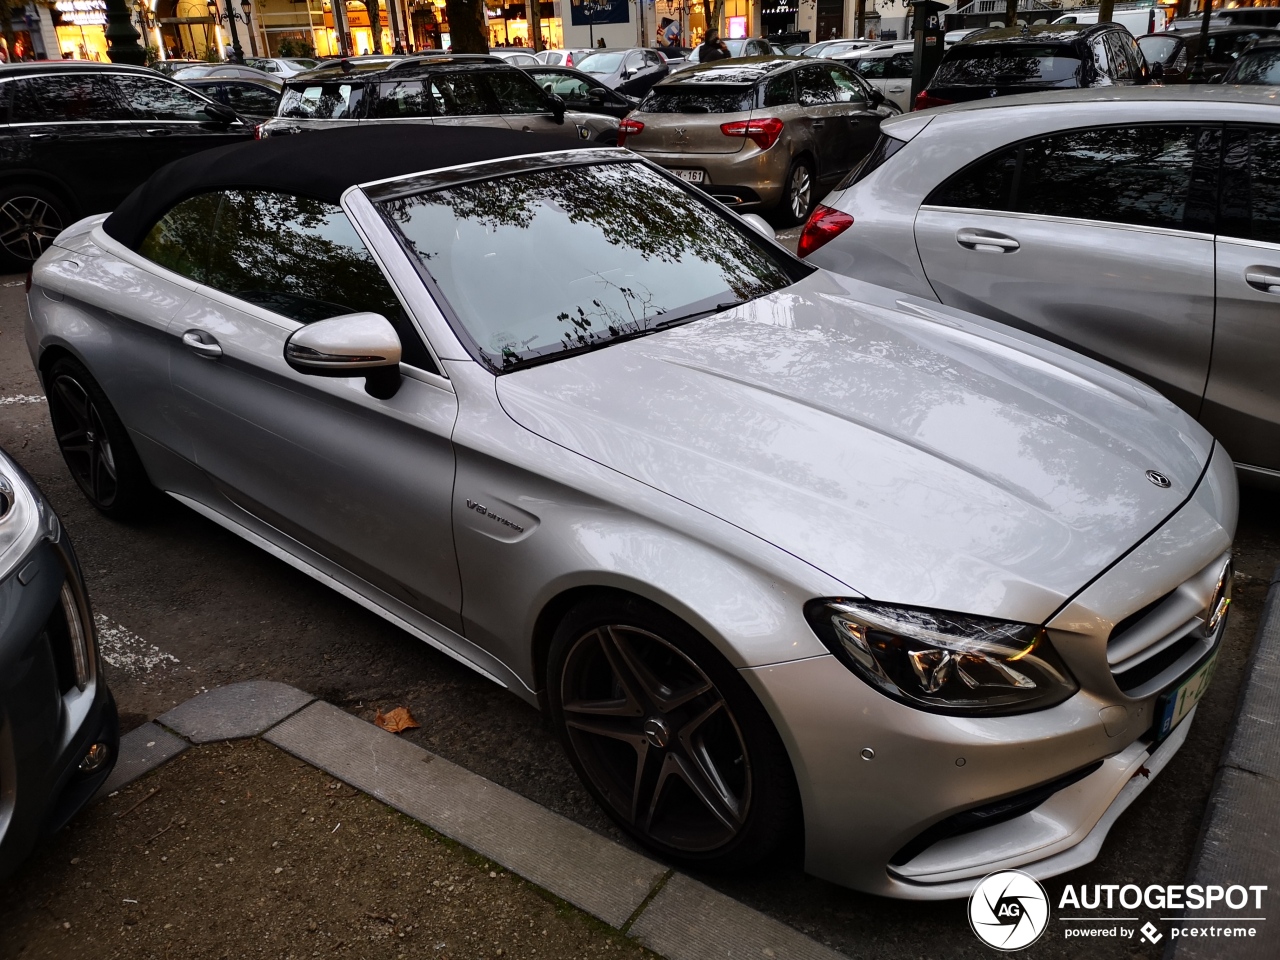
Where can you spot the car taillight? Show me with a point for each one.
(825, 224)
(626, 126)
(924, 101)
(764, 132)
(568, 59)
(257, 131)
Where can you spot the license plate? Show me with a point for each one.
(1173, 707)
(693, 176)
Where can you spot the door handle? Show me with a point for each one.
(201, 344)
(897, 89)
(1266, 279)
(986, 241)
(42, 136)
(157, 132)
(819, 124)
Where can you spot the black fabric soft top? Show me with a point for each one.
(319, 165)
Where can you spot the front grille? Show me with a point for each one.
(1149, 648)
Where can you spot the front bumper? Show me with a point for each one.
(48, 722)
(876, 775)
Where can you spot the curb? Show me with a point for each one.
(665, 911)
(1241, 838)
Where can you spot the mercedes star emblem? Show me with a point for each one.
(1159, 479)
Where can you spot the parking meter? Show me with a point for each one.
(927, 30)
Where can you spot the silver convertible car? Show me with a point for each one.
(778, 551)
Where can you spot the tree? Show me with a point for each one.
(468, 26)
(711, 12)
(1106, 10)
(375, 24)
(860, 19)
(6, 24)
(1010, 13)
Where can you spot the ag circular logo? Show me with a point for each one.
(1008, 910)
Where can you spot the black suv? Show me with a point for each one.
(77, 137)
(1257, 66)
(1176, 50)
(1029, 59)
(442, 90)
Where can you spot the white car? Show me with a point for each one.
(781, 553)
(563, 58)
(887, 69)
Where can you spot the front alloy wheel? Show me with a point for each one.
(28, 224)
(668, 737)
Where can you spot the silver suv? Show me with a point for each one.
(763, 133)
(1138, 225)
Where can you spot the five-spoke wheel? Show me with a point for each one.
(667, 736)
(798, 198)
(30, 219)
(93, 441)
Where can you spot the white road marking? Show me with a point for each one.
(20, 398)
(123, 648)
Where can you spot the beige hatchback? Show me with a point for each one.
(763, 133)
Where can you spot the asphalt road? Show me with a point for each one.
(184, 605)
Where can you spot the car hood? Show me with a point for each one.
(916, 454)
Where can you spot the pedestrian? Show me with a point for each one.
(713, 48)
(228, 52)
(600, 43)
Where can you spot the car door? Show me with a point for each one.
(861, 118)
(522, 103)
(897, 80)
(1242, 400)
(824, 117)
(76, 129)
(172, 120)
(632, 79)
(463, 99)
(362, 482)
(1100, 239)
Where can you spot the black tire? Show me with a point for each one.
(667, 736)
(798, 193)
(94, 443)
(30, 218)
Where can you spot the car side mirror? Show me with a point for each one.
(597, 94)
(1217, 79)
(221, 114)
(876, 97)
(557, 106)
(351, 345)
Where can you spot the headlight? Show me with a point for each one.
(19, 518)
(944, 662)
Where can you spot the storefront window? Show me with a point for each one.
(80, 26)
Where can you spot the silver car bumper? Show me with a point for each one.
(876, 775)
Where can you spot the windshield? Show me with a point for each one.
(605, 252)
(601, 63)
(1008, 65)
(1261, 67)
(698, 98)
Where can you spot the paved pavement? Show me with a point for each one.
(184, 606)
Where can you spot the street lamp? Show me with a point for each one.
(229, 18)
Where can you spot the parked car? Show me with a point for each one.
(1137, 231)
(656, 491)
(1239, 16)
(226, 70)
(168, 67)
(815, 49)
(583, 92)
(1259, 64)
(445, 90)
(887, 69)
(746, 47)
(59, 733)
(79, 135)
(999, 62)
(282, 66)
(1137, 18)
(252, 97)
(630, 72)
(1176, 51)
(796, 49)
(517, 58)
(767, 133)
(952, 37)
(563, 58)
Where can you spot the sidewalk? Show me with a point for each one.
(212, 842)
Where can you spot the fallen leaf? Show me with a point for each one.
(393, 721)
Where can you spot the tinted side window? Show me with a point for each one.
(815, 86)
(564, 85)
(779, 90)
(402, 98)
(460, 95)
(900, 66)
(872, 68)
(321, 101)
(985, 185)
(65, 98)
(516, 92)
(847, 85)
(180, 239)
(1251, 185)
(302, 259)
(1121, 68)
(247, 98)
(160, 100)
(1139, 175)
